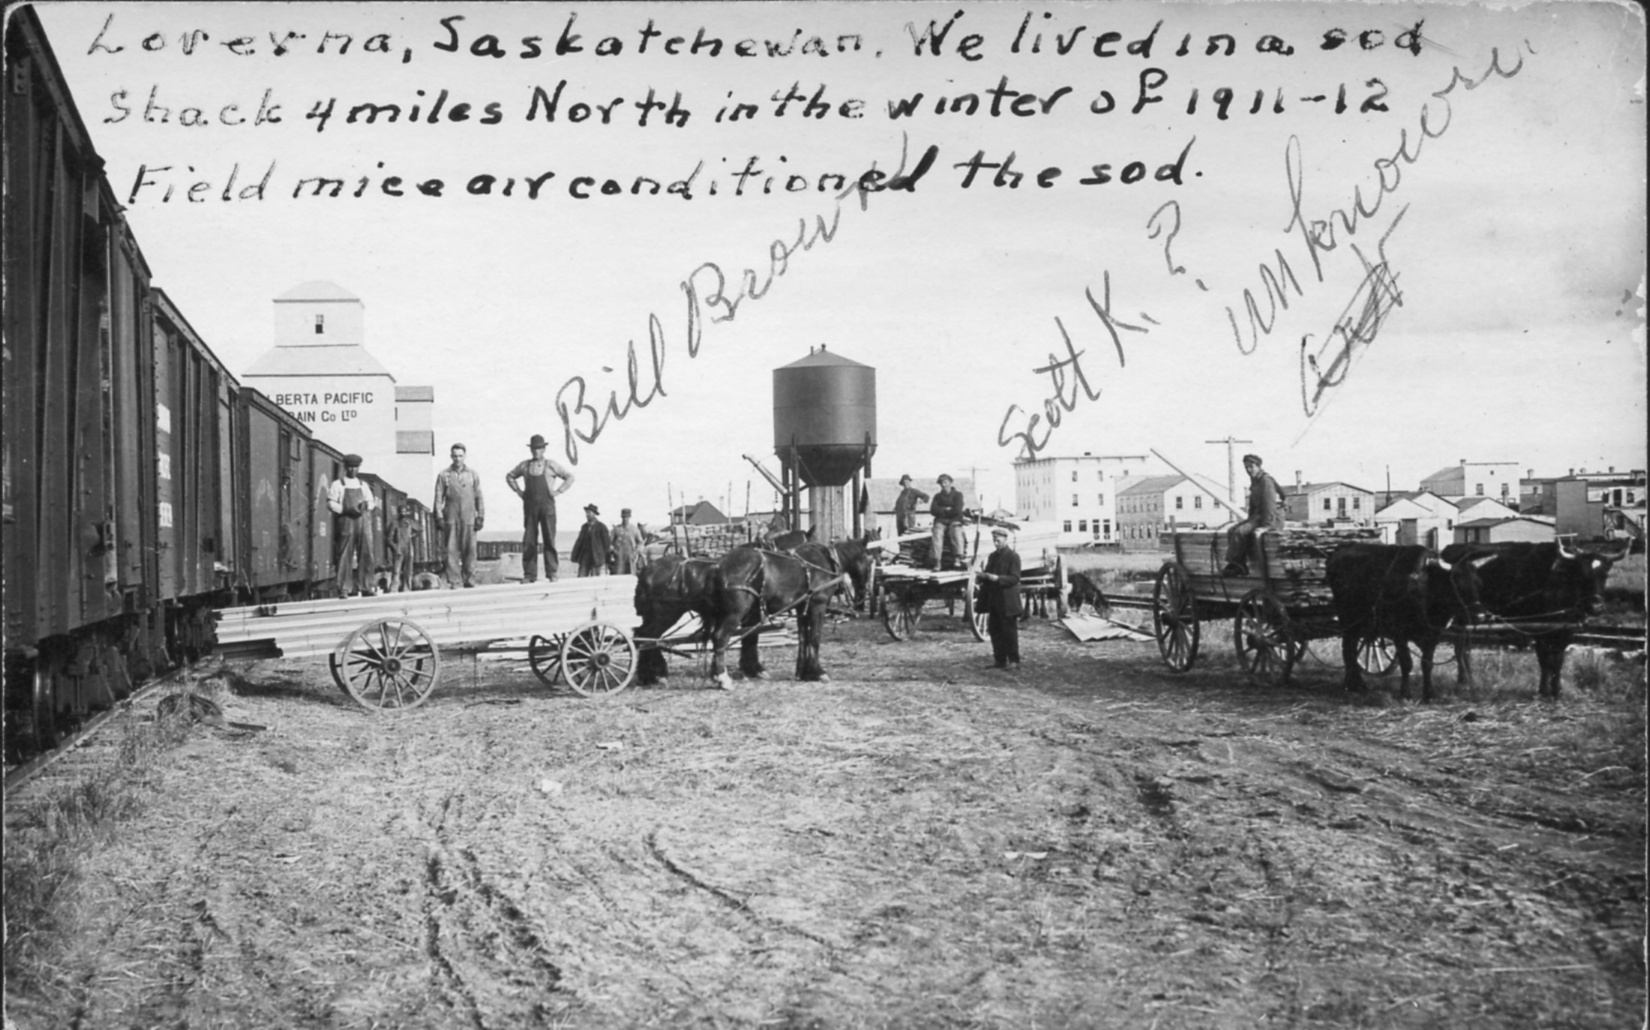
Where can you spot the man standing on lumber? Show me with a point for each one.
(1265, 512)
(460, 513)
(350, 500)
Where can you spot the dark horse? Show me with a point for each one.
(757, 583)
(666, 590)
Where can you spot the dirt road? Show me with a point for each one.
(923, 842)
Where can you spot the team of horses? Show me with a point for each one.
(737, 597)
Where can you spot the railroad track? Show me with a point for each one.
(1627, 638)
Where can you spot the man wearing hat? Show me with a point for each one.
(350, 500)
(1265, 512)
(538, 507)
(947, 510)
(593, 550)
(403, 536)
(905, 506)
(460, 513)
(1000, 600)
(628, 556)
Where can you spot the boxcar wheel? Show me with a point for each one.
(1174, 617)
(390, 665)
(598, 659)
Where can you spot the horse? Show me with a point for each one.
(853, 556)
(756, 583)
(666, 590)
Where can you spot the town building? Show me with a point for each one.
(1077, 492)
(1477, 509)
(700, 513)
(1330, 503)
(320, 371)
(1148, 506)
(1538, 495)
(1495, 531)
(1496, 479)
(1418, 518)
(1596, 505)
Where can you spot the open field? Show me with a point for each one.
(922, 842)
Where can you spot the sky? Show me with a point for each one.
(1416, 237)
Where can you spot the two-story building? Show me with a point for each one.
(1331, 503)
(1586, 502)
(1078, 492)
(1494, 479)
(1148, 506)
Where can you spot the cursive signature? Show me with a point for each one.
(710, 301)
(1355, 327)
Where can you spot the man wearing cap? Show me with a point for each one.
(1265, 512)
(538, 507)
(402, 542)
(460, 513)
(628, 557)
(1000, 600)
(593, 550)
(350, 500)
(905, 506)
(947, 510)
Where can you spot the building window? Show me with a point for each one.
(1197, 502)
(1179, 503)
(1066, 525)
(320, 324)
(1074, 500)
(1082, 525)
(1357, 503)
(1108, 529)
(1326, 504)
(1074, 475)
(1505, 489)
(1479, 490)
(1102, 500)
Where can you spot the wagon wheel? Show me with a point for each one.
(598, 659)
(977, 619)
(389, 664)
(1174, 617)
(1265, 641)
(901, 611)
(544, 655)
(1377, 655)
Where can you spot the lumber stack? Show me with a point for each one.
(503, 612)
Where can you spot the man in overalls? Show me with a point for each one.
(350, 500)
(460, 514)
(532, 480)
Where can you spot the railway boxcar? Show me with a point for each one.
(326, 463)
(277, 500)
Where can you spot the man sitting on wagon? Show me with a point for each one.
(948, 513)
(1265, 512)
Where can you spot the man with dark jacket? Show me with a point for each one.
(593, 550)
(905, 506)
(1000, 600)
(947, 510)
(1265, 512)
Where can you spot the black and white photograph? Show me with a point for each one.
(813, 515)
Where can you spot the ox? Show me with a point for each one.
(1401, 592)
(1549, 588)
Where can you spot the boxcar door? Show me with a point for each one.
(166, 469)
(263, 470)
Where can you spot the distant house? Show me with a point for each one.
(703, 513)
(882, 493)
(1495, 531)
(1077, 491)
(1418, 518)
(1324, 503)
(1148, 506)
(1477, 509)
(1497, 479)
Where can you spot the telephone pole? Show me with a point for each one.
(1231, 465)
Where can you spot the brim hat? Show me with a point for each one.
(536, 442)
(944, 479)
(352, 459)
(592, 509)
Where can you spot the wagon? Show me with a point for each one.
(1276, 611)
(385, 651)
(904, 589)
